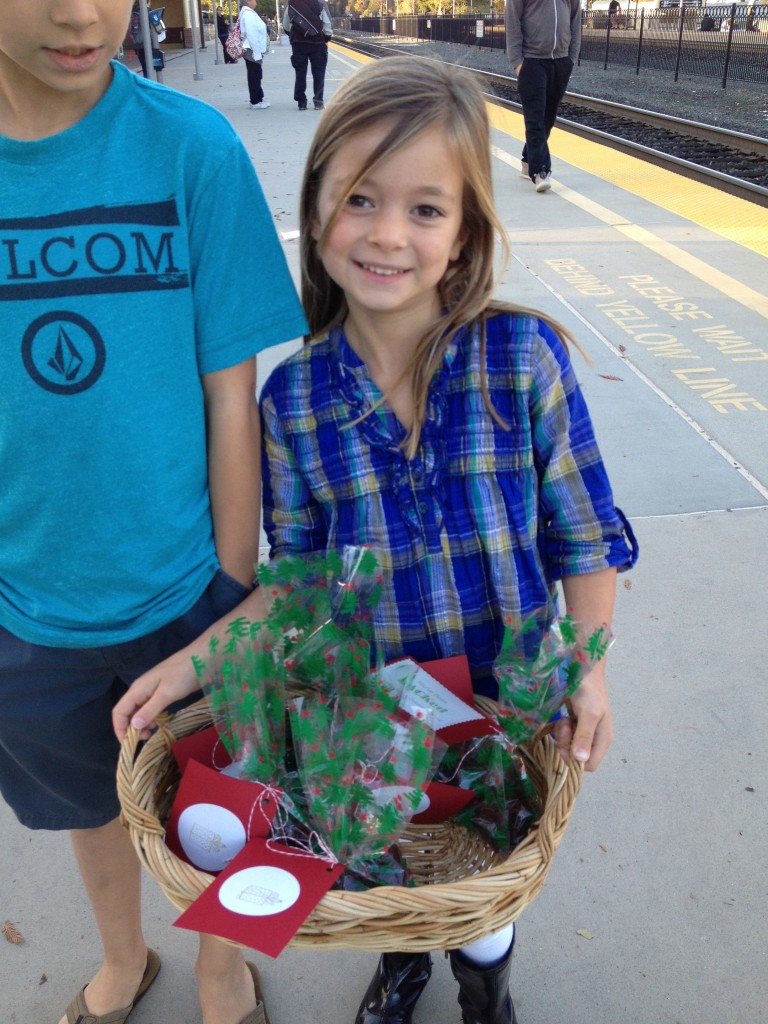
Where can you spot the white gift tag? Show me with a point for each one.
(421, 695)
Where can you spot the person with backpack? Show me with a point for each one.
(309, 28)
(222, 31)
(135, 36)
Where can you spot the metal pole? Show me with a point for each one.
(146, 36)
(679, 41)
(731, 24)
(607, 43)
(201, 23)
(197, 77)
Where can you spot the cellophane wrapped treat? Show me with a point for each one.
(506, 802)
(300, 709)
(243, 677)
(363, 765)
(321, 605)
(539, 667)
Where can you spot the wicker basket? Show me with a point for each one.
(464, 889)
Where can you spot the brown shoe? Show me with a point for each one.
(259, 1015)
(78, 1012)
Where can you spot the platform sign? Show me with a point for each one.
(479, 29)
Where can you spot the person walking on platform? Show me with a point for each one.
(309, 27)
(255, 45)
(543, 41)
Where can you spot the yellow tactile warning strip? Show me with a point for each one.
(730, 286)
(735, 219)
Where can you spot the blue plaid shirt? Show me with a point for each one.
(474, 530)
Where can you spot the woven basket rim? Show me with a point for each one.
(442, 915)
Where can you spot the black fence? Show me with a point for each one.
(728, 42)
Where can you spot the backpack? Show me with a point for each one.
(301, 26)
(234, 43)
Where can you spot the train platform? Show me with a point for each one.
(655, 910)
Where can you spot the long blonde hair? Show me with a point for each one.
(410, 96)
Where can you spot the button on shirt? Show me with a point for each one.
(477, 527)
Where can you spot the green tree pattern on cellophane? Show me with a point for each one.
(316, 638)
(540, 666)
(244, 680)
(350, 751)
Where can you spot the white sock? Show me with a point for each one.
(490, 948)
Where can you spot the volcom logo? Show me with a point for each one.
(63, 353)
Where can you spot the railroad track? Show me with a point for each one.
(731, 161)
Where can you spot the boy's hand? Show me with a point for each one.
(171, 680)
(588, 732)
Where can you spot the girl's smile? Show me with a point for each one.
(395, 235)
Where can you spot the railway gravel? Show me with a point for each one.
(739, 107)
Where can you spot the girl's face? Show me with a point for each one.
(394, 237)
(60, 47)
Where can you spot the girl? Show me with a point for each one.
(442, 428)
(445, 430)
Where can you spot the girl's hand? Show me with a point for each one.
(588, 732)
(171, 680)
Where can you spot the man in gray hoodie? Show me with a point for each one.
(543, 41)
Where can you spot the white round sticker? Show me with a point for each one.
(210, 835)
(259, 891)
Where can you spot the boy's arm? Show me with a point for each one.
(234, 467)
(234, 480)
(234, 475)
(588, 733)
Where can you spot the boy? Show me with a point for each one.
(129, 447)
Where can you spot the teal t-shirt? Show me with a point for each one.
(123, 279)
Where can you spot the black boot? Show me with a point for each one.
(484, 991)
(395, 988)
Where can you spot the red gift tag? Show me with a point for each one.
(453, 673)
(213, 816)
(441, 802)
(263, 897)
(205, 746)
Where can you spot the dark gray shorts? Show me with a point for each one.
(58, 753)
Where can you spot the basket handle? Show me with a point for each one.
(131, 813)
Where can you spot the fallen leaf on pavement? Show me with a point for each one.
(12, 933)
